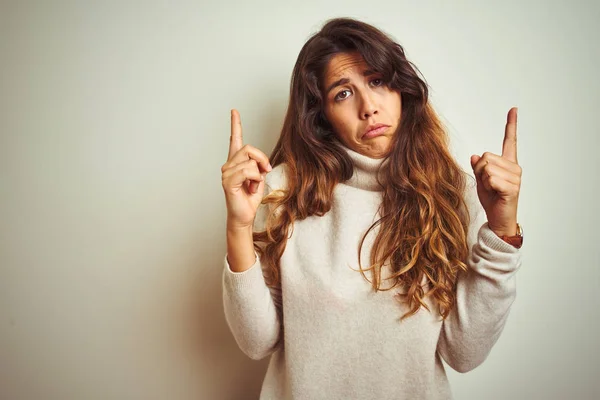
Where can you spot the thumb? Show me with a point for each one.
(474, 159)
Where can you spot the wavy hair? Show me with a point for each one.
(423, 186)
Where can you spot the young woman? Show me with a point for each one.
(362, 173)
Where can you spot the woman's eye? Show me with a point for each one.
(340, 95)
(377, 82)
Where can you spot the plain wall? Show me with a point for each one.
(114, 123)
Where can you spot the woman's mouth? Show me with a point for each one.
(375, 132)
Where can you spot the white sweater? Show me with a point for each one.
(340, 339)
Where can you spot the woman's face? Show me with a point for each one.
(356, 99)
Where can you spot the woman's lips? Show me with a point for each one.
(375, 132)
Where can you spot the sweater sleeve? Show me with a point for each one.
(484, 294)
(253, 311)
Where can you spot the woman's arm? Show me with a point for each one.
(253, 310)
(484, 295)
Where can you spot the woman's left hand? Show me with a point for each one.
(499, 181)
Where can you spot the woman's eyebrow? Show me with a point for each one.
(343, 81)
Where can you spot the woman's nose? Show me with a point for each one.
(368, 107)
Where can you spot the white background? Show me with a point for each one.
(114, 123)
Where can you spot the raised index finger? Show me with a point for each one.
(509, 146)
(235, 140)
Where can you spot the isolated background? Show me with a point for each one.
(114, 123)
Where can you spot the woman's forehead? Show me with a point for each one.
(341, 64)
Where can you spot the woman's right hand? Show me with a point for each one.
(243, 178)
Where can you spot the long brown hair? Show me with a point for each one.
(424, 218)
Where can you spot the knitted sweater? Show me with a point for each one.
(340, 338)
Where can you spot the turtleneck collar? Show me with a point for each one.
(365, 171)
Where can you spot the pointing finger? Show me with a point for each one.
(509, 146)
(235, 140)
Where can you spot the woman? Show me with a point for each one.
(362, 171)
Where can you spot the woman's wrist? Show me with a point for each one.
(510, 230)
(238, 229)
(240, 248)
